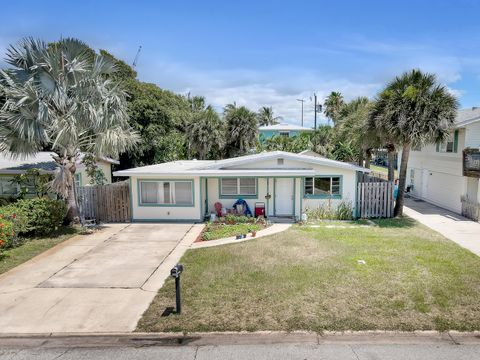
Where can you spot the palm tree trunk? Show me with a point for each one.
(402, 180)
(360, 157)
(73, 213)
(368, 157)
(391, 161)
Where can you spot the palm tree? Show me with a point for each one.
(58, 97)
(414, 110)
(197, 103)
(205, 132)
(242, 129)
(333, 105)
(352, 127)
(265, 116)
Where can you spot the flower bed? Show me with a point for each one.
(232, 225)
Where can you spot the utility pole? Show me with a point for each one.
(134, 65)
(302, 101)
(315, 109)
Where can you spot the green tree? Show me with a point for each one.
(96, 175)
(265, 116)
(333, 105)
(414, 110)
(59, 97)
(353, 128)
(206, 134)
(241, 129)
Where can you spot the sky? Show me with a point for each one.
(269, 53)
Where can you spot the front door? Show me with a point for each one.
(284, 197)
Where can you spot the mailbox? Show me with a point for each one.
(176, 271)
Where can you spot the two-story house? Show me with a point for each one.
(287, 130)
(447, 173)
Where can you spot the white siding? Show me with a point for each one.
(473, 135)
(165, 213)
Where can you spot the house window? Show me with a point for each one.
(176, 193)
(284, 133)
(449, 145)
(7, 187)
(238, 186)
(322, 186)
(280, 161)
(78, 179)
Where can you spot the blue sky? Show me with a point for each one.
(269, 52)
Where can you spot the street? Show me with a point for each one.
(257, 346)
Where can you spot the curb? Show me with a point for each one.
(92, 340)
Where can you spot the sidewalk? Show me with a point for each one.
(457, 228)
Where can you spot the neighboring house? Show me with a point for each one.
(287, 130)
(43, 161)
(435, 172)
(286, 183)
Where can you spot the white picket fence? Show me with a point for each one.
(375, 199)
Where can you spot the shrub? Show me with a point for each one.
(44, 215)
(343, 211)
(18, 216)
(7, 233)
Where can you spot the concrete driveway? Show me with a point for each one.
(93, 283)
(457, 228)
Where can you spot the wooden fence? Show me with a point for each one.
(375, 199)
(470, 209)
(105, 203)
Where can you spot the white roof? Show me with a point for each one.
(467, 116)
(221, 167)
(284, 127)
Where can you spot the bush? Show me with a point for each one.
(18, 216)
(7, 233)
(343, 211)
(39, 216)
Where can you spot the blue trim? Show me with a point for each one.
(268, 200)
(237, 196)
(206, 196)
(139, 197)
(201, 193)
(334, 196)
(131, 197)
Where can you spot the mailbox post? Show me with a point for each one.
(175, 273)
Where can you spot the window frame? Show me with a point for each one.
(442, 147)
(139, 192)
(238, 195)
(323, 196)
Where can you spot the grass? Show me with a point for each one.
(382, 169)
(308, 278)
(32, 247)
(217, 231)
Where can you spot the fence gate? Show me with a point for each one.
(375, 199)
(105, 203)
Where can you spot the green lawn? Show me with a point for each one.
(309, 278)
(32, 247)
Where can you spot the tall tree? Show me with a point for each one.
(60, 97)
(206, 133)
(241, 129)
(333, 105)
(265, 116)
(198, 103)
(353, 128)
(414, 110)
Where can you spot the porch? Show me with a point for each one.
(280, 196)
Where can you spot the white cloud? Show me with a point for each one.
(279, 88)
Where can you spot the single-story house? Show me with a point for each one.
(286, 183)
(43, 161)
(448, 173)
(287, 130)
